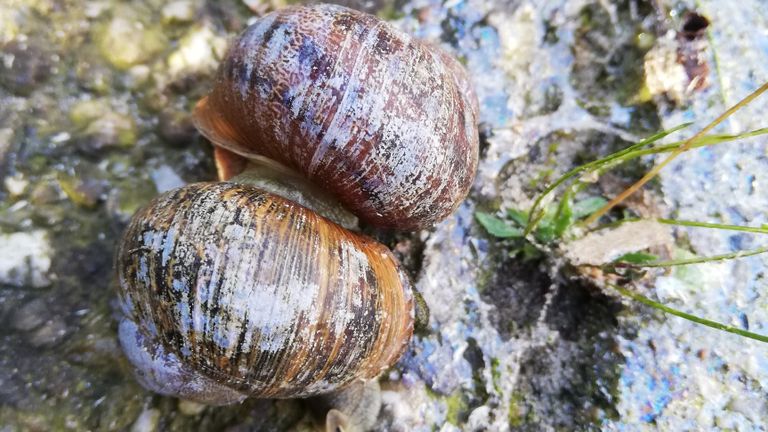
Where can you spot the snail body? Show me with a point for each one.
(270, 300)
(386, 123)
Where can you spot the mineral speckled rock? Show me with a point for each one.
(559, 74)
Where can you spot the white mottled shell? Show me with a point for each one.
(258, 294)
(382, 121)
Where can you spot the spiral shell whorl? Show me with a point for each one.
(382, 121)
(260, 294)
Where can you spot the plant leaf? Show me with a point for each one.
(564, 216)
(594, 165)
(520, 217)
(545, 230)
(497, 227)
(687, 316)
(587, 206)
(636, 258)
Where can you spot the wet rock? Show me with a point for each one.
(45, 192)
(99, 126)
(518, 294)
(16, 185)
(23, 67)
(175, 127)
(147, 421)
(176, 12)
(128, 196)
(199, 52)
(30, 316)
(94, 76)
(190, 408)
(83, 185)
(608, 54)
(569, 381)
(166, 178)
(52, 332)
(125, 41)
(25, 259)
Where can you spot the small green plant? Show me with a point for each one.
(551, 220)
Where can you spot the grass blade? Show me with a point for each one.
(636, 258)
(587, 206)
(703, 321)
(697, 260)
(687, 145)
(534, 211)
(696, 224)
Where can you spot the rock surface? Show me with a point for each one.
(94, 121)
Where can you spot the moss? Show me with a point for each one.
(517, 416)
(496, 374)
(456, 408)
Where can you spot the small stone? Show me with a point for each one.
(94, 9)
(181, 11)
(199, 51)
(25, 259)
(94, 76)
(190, 408)
(22, 67)
(100, 126)
(83, 186)
(45, 192)
(125, 42)
(30, 316)
(176, 127)
(138, 76)
(664, 75)
(602, 247)
(147, 421)
(111, 129)
(16, 185)
(9, 29)
(165, 178)
(52, 332)
(124, 200)
(86, 111)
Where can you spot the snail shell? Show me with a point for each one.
(386, 123)
(251, 294)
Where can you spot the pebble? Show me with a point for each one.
(126, 42)
(147, 421)
(16, 184)
(22, 67)
(25, 259)
(165, 178)
(190, 408)
(199, 51)
(178, 12)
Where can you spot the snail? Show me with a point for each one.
(256, 285)
(256, 295)
(384, 122)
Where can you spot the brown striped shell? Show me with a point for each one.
(249, 294)
(386, 123)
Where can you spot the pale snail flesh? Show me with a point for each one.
(384, 122)
(229, 291)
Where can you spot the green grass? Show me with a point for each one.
(552, 219)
